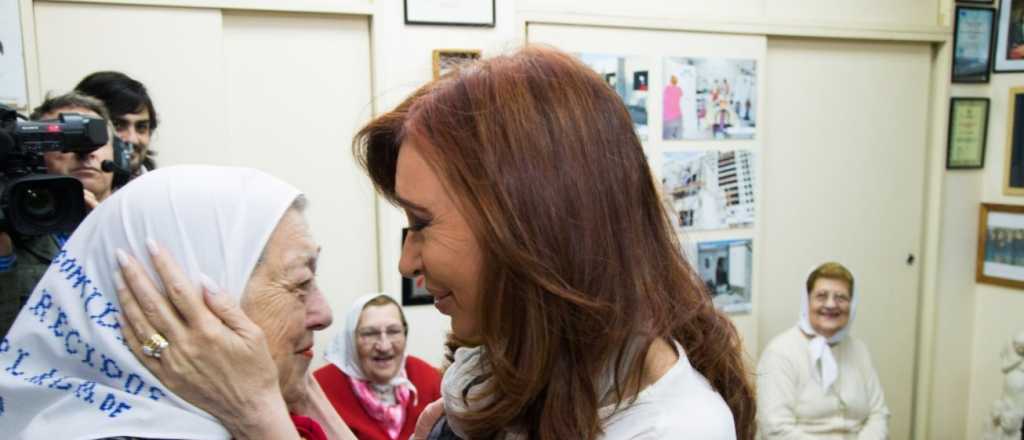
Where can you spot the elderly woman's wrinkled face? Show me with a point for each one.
(282, 297)
(440, 244)
(380, 339)
(829, 303)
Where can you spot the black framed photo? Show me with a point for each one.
(450, 12)
(972, 44)
(968, 126)
(976, 2)
(1009, 45)
(414, 290)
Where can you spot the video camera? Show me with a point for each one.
(33, 202)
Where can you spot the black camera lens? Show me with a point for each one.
(40, 206)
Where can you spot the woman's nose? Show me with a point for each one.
(410, 264)
(318, 312)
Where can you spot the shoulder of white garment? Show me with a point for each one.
(680, 405)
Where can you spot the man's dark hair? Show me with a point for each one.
(120, 93)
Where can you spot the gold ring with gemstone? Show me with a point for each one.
(154, 345)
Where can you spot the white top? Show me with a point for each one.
(792, 405)
(680, 405)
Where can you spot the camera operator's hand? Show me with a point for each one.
(6, 246)
(90, 200)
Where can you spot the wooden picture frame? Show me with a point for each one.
(968, 131)
(412, 294)
(477, 13)
(445, 60)
(1013, 169)
(1000, 259)
(972, 44)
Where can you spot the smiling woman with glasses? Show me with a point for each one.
(376, 388)
(815, 380)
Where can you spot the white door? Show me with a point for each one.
(844, 180)
(280, 92)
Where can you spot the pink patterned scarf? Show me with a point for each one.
(391, 417)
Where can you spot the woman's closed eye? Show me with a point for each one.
(417, 223)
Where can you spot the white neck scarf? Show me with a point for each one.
(819, 349)
(344, 353)
(65, 371)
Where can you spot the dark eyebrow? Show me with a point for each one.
(413, 206)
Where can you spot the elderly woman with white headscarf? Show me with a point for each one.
(815, 380)
(376, 387)
(72, 371)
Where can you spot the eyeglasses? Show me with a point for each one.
(394, 333)
(822, 296)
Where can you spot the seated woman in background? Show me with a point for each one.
(815, 380)
(69, 372)
(376, 388)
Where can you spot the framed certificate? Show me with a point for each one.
(972, 44)
(450, 12)
(968, 123)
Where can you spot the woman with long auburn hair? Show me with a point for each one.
(535, 221)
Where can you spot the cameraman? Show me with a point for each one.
(131, 111)
(24, 259)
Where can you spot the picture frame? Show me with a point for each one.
(1000, 245)
(976, 2)
(477, 13)
(968, 129)
(1013, 169)
(1009, 45)
(972, 44)
(446, 60)
(414, 293)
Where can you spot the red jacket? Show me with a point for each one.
(336, 385)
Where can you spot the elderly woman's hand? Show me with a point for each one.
(217, 359)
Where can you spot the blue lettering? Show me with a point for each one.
(81, 280)
(38, 379)
(85, 391)
(67, 341)
(111, 404)
(121, 406)
(67, 265)
(92, 296)
(42, 306)
(60, 384)
(88, 355)
(59, 323)
(5, 345)
(128, 384)
(109, 310)
(77, 272)
(22, 354)
(82, 290)
(107, 364)
(59, 257)
(155, 393)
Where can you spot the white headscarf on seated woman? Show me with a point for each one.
(65, 369)
(344, 353)
(821, 357)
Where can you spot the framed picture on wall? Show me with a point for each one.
(414, 290)
(13, 90)
(1001, 245)
(968, 125)
(1009, 46)
(1013, 180)
(450, 12)
(446, 60)
(972, 44)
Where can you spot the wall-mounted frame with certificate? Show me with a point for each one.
(1013, 178)
(450, 12)
(972, 44)
(968, 126)
(1009, 45)
(447, 60)
(1000, 245)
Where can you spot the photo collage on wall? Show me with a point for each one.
(698, 125)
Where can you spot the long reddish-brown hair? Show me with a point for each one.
(581, 261)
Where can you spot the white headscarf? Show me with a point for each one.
(65, 371)
(820, 352)
(344, 353)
